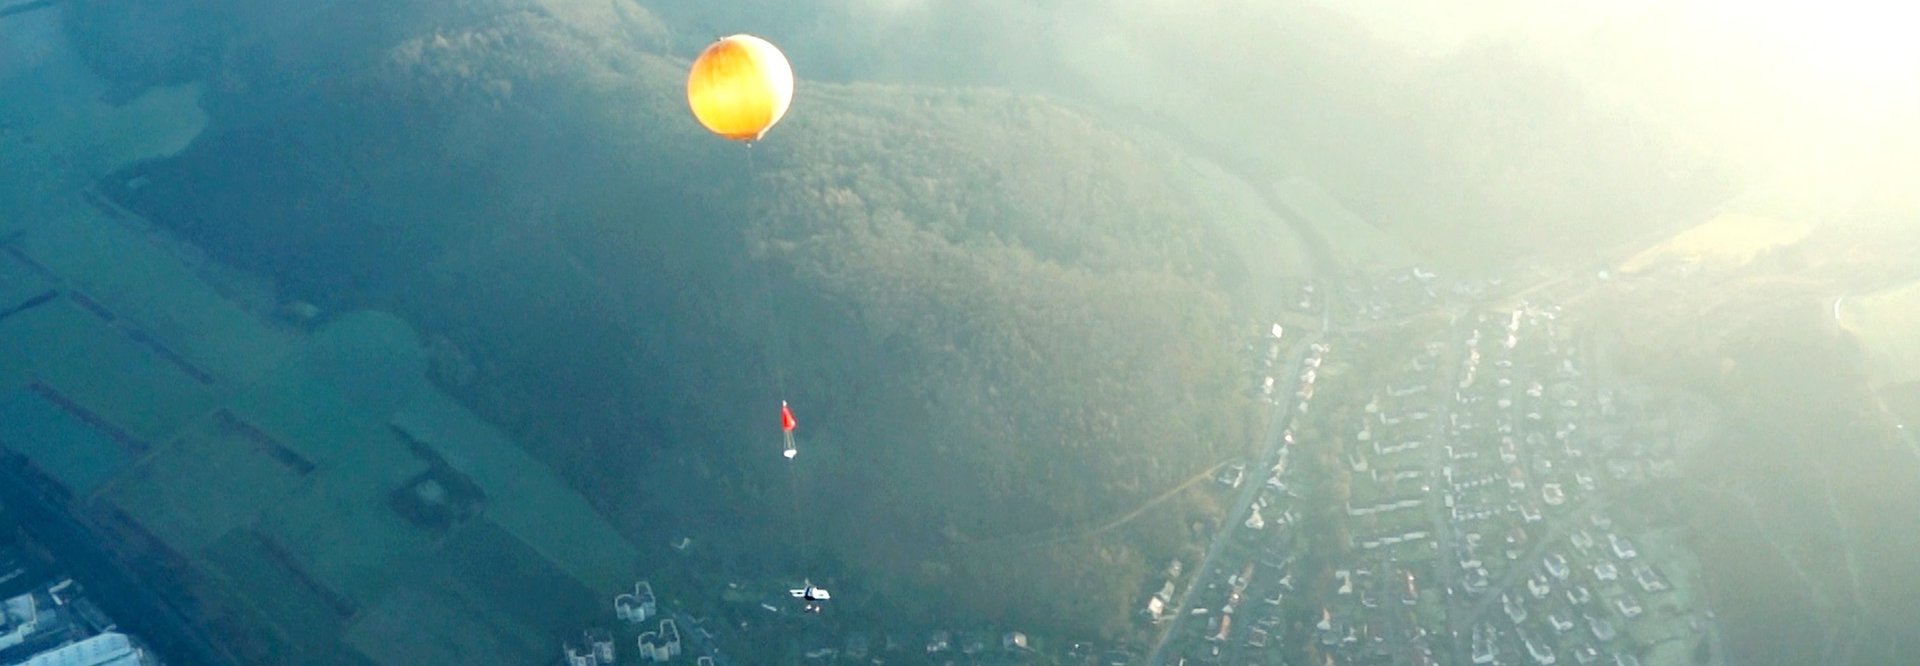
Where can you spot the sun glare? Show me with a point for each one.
(1871, 44)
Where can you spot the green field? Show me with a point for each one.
(269, 460)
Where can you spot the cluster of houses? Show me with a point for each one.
(1237, 606)
(1475, 516)
(1497, 503)
(770, 628)
(1365, 300)
(655, 639)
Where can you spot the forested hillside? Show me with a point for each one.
(998, 313)
(1493, 154)
(1808, 479)
(995, 315)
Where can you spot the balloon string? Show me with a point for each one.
(774, 345)
(776, 340)
(799, 518)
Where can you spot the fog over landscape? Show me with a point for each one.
(1138, 331)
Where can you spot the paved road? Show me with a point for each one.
(1282, 416)
(1449, 367)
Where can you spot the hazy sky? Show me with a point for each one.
(1821, 91)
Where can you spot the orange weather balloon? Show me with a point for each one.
(739, 87)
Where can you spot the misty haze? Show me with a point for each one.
(1137, 332)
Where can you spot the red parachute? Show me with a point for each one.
(787, 424)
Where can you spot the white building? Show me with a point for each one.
(108, 649)
(19, 618)
(662, 645)
(637, 606)
(1016, 641)
(600, 643)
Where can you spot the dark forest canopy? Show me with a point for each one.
(997, 316)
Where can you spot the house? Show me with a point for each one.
(1556, 565)
(1222, 626)
(1155, 608)
(1602, 629)
(107, 649)
(1014, 641)
(1622, 548)
(1232, 476)
(1649, 580)
(1538, 587)
(662, 645)
(1627, 606)
(1515, 611)
(1553, 495)
(1560, 624)
(19, 620)
(1484, 651)
(939, 641)
(636, 606)
(1540, 652)
(600, 643)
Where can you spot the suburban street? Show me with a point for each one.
(1282, 415)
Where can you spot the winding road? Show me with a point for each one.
(1281, 419)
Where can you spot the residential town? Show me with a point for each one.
(1446, 489)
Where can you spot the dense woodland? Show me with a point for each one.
(994, 316)
(997, 312)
